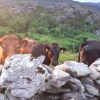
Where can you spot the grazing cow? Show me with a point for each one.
(10, 45)
(89, 51)
(51, 52)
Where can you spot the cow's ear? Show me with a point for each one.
(47, 48)
(62, 49)
(23, 43)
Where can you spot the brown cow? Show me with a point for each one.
(10, 45)
(89, 51)
(51, 52)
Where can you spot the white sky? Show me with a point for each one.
(88, 0)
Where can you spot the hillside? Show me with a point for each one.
(63, 11)
(38, 1)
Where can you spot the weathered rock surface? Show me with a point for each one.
(59, 78)
(24, 76)
(75, 68)
(87, 80)
(91, 90)
(73, 96)
(76, 84)
(94, 69)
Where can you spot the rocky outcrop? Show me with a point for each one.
(70, 11)
(22, 8)
(26, 78)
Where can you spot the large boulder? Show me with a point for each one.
(24, 76)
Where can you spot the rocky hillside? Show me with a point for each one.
(18, 8)
(65, 10)
(70, 11)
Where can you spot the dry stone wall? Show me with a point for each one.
(26, 78)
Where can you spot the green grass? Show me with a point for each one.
(68, 56)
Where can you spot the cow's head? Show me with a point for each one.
(53, 52)
(10, 45)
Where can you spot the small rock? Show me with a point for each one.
(76, 84)
(94, 74)
(88, 80)
(73, 96)
(91, 90)
(59, 78)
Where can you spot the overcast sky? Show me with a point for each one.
(88, 0)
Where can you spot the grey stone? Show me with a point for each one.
(95, 70)
(76, 84)
(73, 96)
(23, 75)
(59, 78)
(91, 89)
(74, 68)
(87, 80)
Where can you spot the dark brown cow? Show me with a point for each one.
(89, 51)
(51, 52)
(10, 45)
